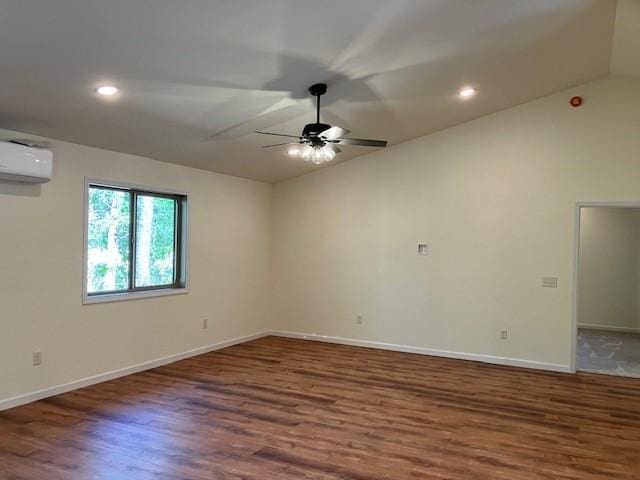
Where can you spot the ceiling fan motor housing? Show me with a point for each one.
(314, 129)
(318, 89)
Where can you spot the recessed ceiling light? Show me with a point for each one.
(467, 92)
(107, 90)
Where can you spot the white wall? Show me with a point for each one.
(494, 198)
(609, 273)
(41, 272)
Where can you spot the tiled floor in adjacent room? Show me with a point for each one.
(608, 352)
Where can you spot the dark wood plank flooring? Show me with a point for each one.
(286, 409)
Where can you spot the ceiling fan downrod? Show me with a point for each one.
(317, 90)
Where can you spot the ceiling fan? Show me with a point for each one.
(319, 141)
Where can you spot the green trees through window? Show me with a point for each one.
(134, 240)
(109, 245)
(155, 235)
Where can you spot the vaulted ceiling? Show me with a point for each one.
(199, 76)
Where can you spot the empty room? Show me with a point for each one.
(329, 240)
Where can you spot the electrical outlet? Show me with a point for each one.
(550, 282)
(205, 323)
(359, 320)
(37, 358)
(504, 334)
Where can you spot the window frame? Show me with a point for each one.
(179, 286)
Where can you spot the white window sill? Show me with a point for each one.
(119, 297)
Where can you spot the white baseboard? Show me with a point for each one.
(103, 377)
(496, 360)
(607, 327)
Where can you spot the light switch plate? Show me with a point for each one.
(423, 249)
(550, 282)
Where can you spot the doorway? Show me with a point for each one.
(607, 298)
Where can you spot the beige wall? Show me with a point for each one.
(626, 39)
(494, 198)
(41, 272)
(609, 273)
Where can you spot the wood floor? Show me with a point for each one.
(286, 409)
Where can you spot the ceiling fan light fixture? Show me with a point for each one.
(307, 153)
(328, 153)
(317, 154)
(294, 151)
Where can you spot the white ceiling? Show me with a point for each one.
(198, 76)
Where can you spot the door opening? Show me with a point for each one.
(607, 290)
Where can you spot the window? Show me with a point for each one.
(135, 243)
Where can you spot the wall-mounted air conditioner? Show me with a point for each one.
(24, 163)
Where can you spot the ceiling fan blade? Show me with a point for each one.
(334, 147)
(262, 114)
(279, 144)
(334, 133)
(361, 142)
(278, 134)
